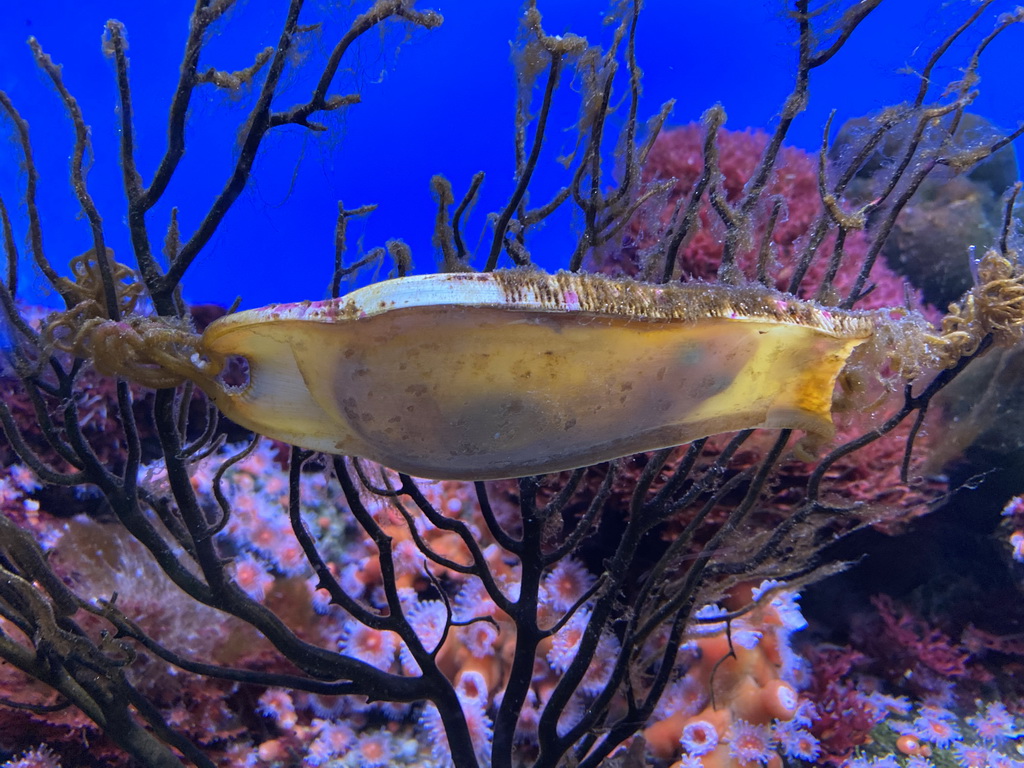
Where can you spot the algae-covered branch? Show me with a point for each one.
(487, 514)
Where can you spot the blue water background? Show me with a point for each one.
(433, 102)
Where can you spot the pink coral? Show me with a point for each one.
(678, 154)
(277, 704)
(566, 583)
(566, 641)
(374, 646)
(372, 750)
(912, 648)
(749, 742)
(734, 728)
(699, 737)
(845, 714)
(252, 576)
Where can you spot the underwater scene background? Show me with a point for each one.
(213, 551)
(437, 102)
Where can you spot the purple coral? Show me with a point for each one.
(40, 757)
(567, 641)
(699, 737)
(995, 724)
(566, 583)
(373, 750)
(374, 646)
(797, 742)
(277, 704)
(749, 742)
(936, 725)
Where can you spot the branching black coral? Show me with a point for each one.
(537, 621)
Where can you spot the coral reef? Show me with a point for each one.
(784, 229)
(936, 234)
(177, 590)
